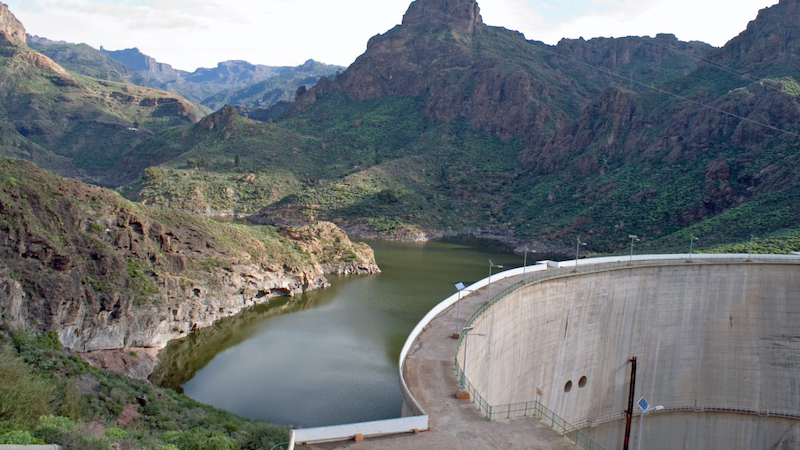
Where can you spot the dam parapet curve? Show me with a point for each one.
(717, 338)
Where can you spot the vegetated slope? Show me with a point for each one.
(450, 124)
(86, 60)
(72, 124)
(231, 82)
(105, 273)
(51, 396)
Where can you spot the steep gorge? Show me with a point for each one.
(108, 274)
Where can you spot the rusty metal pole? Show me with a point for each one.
(629, 411)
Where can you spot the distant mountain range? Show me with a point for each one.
(446, 125)
(237, 82)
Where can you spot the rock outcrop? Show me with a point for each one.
(11, 30)
(108, 274)
(773, 37)
(502, 83)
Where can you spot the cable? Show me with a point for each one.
(649, 86)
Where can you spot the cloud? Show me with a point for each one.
(192, 33)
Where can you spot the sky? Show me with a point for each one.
(200, 33)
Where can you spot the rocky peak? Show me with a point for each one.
(461, 15)
(11, 30)
(772, 37)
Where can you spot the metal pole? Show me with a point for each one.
(691, 244)
(633, 238)
(639, 436)
(458, 307)
(752, 240)
(629, 411)
(525, 263)
(464, 369)
(577, 251)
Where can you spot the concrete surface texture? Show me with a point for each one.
(709, 337)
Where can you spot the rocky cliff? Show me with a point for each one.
(502, 83)
(11, 30)
(770, 39)
(110, 274)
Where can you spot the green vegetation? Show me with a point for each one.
(49, 396)
(778, 243)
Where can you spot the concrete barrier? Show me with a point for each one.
(413, 416)
(722, 330)
(365, 429)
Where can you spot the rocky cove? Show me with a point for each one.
(122, 279)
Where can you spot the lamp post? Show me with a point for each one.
(525, 261)
(460, 286)
(489, 283)
(641, 421)
(466, 332)
(577, 251)
(632, 237)
(691, 244)
(752, 241)
(277, 445)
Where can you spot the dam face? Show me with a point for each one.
(717, 344)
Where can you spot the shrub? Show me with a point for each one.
(265, 437)
(116, 433)
(24, 396)
(19, 438)
(199, 439)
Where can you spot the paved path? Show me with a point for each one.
(455, 424)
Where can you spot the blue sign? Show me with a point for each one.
(643, 405)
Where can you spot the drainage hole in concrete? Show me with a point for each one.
(582, 381)
(568, 386)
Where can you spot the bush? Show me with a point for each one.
(60, 430)
(265, 437)
(116, 433)
(19, 438)
(199, 439)
(24, 396)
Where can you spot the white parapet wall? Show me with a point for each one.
(717, 341)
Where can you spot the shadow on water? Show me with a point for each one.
(180, 360)
(334, 358)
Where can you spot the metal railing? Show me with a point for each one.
(535, 408)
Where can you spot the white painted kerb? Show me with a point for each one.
(417, 418)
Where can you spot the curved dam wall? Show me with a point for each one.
(717, 343)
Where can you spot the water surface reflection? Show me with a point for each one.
(333, 359)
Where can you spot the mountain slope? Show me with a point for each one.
(231, 82)
(449, 125)
(75, 125)
(85, 60)
(106, 273)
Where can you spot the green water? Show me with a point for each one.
(329, 356)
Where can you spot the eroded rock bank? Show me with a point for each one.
(108, 274)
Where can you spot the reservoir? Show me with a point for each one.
(329, 356)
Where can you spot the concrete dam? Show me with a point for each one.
(717, 342)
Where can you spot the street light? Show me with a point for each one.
(632, 237)
(691, 244)
(460, 286)
(752, 241)
(466, 333)
(641, 421)
(525, 261)
(491, 264)
(277, 445)
(577, 250)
